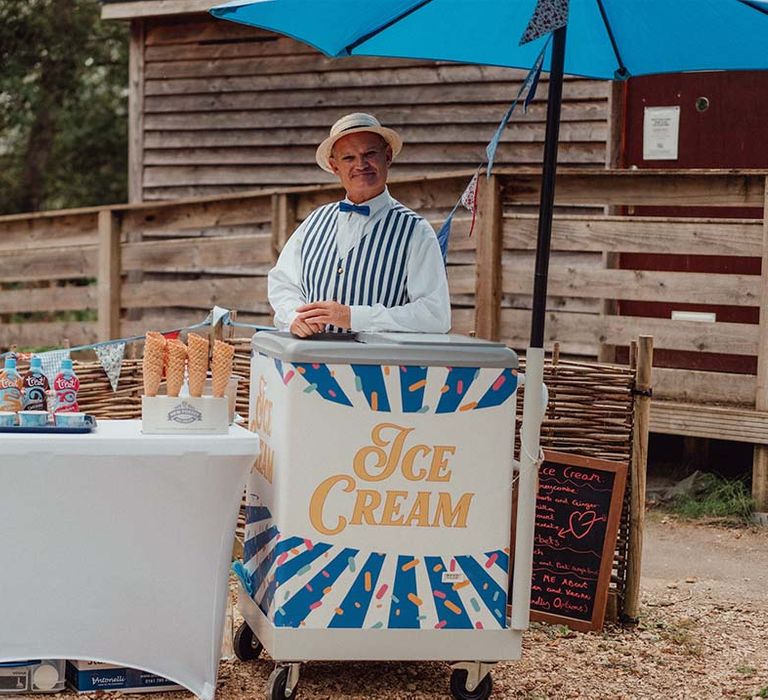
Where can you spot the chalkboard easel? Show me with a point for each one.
(578, 508)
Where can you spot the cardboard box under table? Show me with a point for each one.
(378, 514)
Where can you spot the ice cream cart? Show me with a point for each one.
(378, 512)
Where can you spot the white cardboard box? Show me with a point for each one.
(90, 676)
(161, 415)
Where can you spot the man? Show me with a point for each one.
(367, 263)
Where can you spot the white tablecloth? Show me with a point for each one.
(115, 546)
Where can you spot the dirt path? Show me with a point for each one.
(703, 634)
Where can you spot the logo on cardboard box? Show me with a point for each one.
(184, 413)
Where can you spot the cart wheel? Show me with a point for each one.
(277, 682)
(459, 686)
(247, 647)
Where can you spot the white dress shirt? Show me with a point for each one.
(429, 308)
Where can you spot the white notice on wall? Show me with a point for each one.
(661, 131)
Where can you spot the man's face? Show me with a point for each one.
(361, 161)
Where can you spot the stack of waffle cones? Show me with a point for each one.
(177, 360)
(154, 362)
(172, 357)
(198, 363)
(221, 366)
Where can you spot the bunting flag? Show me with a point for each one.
(548, 16)
(51, 362)
(469, 200)
(111, 359)
(528, 88)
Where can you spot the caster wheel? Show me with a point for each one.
(276, 684)
(459, 687)
(247, 647)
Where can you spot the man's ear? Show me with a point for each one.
(332, 163)
(389, 155)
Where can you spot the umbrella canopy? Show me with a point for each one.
(606, 38)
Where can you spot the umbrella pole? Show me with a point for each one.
(534, 404)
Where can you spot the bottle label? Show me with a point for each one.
(65, 387)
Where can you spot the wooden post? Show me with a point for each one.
(136, 112)
(284, 220)
(488, 229)
(108, 279)
(642, 415)
(760, 454)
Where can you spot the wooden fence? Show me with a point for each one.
(163, 265)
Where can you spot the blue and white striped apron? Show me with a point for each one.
(373, 271)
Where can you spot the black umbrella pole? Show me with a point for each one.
(547, 201)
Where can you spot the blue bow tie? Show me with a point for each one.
(365, 210)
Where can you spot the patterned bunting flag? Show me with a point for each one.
(530, 84)
(548, 16)
(111, 359)
(51, 362)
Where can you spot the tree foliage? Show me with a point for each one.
(63, 106)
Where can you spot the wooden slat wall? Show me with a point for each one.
(580, 283)
(228, 107)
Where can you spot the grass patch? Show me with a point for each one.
(716, 497)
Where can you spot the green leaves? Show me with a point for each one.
(63, 105)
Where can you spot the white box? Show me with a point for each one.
(162, 415)
(46, 676)
(91, 676)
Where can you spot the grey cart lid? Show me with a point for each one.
(420, 349)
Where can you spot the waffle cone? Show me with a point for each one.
(153, 363)
(177, 360)
(198, 363)
(221, 366)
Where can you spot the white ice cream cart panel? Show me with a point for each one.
(381, 500)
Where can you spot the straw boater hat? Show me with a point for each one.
(353, 124)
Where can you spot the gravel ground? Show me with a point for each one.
(703, 634)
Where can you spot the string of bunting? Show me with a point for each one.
(110, 353)
(468, 198)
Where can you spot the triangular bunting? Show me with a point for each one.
(51, 362)
(111, 359)
(548, 16)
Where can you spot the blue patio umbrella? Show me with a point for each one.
(611, 39)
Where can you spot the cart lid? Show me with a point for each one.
(421, 349)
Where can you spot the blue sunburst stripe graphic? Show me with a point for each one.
(261, 571)
(355, 605)
(502, 388)
(412, 382)
(279, 366)
(372, 383)
(457, 381)
(289, 569)
(254, 544)
(405, 583)
(502, 559)
(254, 514)
(453, 620)
(319, 376)
(492, 595)
(293, 611)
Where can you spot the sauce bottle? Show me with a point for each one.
(34, 387)
(65, 387)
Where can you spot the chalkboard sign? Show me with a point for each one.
(577, 517)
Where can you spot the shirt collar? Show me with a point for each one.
(377, 203)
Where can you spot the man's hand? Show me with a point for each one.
(302, 329)
(323, 313)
